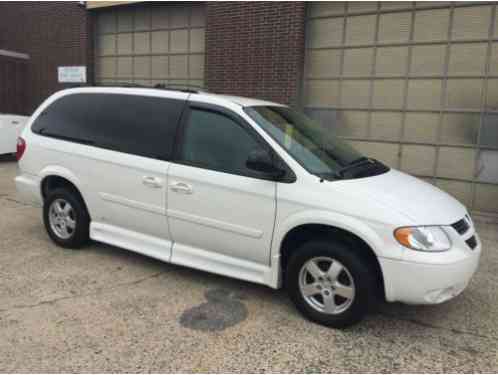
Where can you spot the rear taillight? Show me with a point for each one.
(21, 147)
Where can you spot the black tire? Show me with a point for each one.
(80, 235)
(365, 288)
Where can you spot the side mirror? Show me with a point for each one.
(262, 162)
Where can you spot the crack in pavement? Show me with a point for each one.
(82, 295)
(441, 328)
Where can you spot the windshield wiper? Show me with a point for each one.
(354, 164)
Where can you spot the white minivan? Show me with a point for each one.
(244, 188)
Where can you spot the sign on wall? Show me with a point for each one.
(71, 74)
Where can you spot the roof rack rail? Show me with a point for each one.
(193, 89)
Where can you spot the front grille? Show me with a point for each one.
(461, 226)
(472, 242)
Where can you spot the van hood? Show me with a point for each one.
(419, 201)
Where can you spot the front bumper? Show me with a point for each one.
(414, 281)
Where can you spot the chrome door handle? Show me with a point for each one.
(181, 187)
(152, 182)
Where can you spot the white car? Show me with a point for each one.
(11, 127)
(244, 188)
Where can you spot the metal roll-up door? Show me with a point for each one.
(412, 84)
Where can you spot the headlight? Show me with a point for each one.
(423, 238)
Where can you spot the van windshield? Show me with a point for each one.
(312, 145)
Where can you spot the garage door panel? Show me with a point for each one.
(464, 94)
(421, 127)
(488, 166)
(125, 44)
(125, 19)
(388, 93)
(489, 130)
(198, 16)
(196, 66)
(424, 94)
(106, 45)
(456, 163)
(141, 43)
(467, 59)
(355, 93)
(106, 22)
(486, 197)
(125, 67)
(471, 22)
(107, 67)
(431, 25)
(160, 17)
(391, 5)
(141, 19)
(327, 8)
(179, 16)
(392, 61)
(360, 29)
(160, 41)
(178, 66)
(325, 32)
(322, 93)
(323, 63)
(418, 160)
(492, 95)
(386, 126)
(395, 27)
(154, 42)
(160, 67)
(428, 60)
(197, 40)
(460, 128)
(142, 67)
(361, 6)
(352, 124)
(179, 41)
(358, 61)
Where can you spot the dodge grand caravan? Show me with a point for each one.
(244, 188)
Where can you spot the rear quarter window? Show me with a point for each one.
(139, 125)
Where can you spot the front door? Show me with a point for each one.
(221, 216)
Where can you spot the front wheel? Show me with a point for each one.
(330, 284)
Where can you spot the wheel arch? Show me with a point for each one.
(355, 233)
(57, 177)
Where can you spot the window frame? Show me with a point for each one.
(289, 176)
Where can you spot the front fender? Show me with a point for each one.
(374, 234)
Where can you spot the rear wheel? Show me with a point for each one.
(330, 284)
(66, 218)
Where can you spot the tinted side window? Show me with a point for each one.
(214, 141)
(139, 125)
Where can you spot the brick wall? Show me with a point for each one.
(13, 73)
(255, 49)
(53, 34)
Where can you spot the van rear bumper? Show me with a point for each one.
(28, 189)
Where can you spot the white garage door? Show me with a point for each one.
(412, 84)
(151, 43)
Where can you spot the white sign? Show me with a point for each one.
(75, 74)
